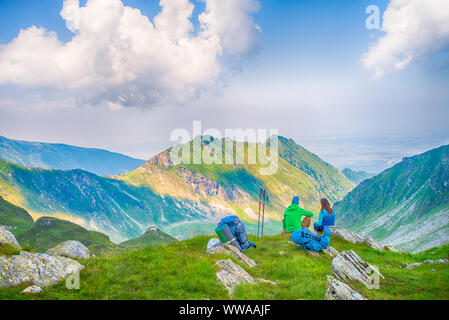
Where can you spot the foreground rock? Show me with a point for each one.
(330, 252)
(37, 268)
(32, 289)
(231, 275)
(8, 238)
(233, 251)
(337, 290)
(348, 266)
(70, 249)
(370, 242)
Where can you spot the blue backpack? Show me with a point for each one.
(232, 230)
(310, 241)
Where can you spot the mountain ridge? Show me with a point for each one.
(406, 205)
(65, 157)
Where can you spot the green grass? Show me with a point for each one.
(48, 232)
(15, 217)
(182, 270)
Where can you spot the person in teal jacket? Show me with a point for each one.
(326, 217)
(293, 215)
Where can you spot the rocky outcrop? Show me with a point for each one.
(70, 249)
(330, 252)
(348, 266)
(37, 268)
(32, 289)
(231, 275)
(233, 251)
(353, 237)
(428, 261)
(337, 290)
(347, 235)
(8, 238)
(370, 242)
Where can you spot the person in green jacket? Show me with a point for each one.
(293, 215)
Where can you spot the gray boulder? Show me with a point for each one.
(330, 252)
(37, 268)
(413, 265)
(70, 249)
(32, 289)
(7, 237)
(231, 275)
(337, 290)
(233, 251)
(348, 266)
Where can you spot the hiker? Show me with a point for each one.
(326, 217)
(310, 241)
(293, 215)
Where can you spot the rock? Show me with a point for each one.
(267, 281)
(214, 242)
(441, 261)
(413, 265)
(313, 253)
(7, 237)
(370, 242)
(344, 234)
(70, 249)
(391, 248)
(37, 268)
(32, 289)
(337, 290)
(231, 275)
(348, 266)
(428, 261)
(231, 250)
(330, 252)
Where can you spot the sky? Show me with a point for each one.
(123, 74)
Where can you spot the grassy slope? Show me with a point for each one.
(181, 270)
(48, 232)
(150, 238)
(13, 216)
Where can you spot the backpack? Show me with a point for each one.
(232, 230)
(310, 241)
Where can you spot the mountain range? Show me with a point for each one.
(184, 200)
(65, 157)
(406, 206)
(357, 176)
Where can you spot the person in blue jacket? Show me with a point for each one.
(326, 217)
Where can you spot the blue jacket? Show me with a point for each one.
(325, 219)
(310, 241)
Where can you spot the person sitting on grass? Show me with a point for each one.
(326, 217)
(293, 215)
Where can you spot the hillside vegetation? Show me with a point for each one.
(406, 206)
(14, 218)
(182, 270)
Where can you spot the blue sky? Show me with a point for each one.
(305, 77)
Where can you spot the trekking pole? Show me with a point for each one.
(263, 211)
(258, 217)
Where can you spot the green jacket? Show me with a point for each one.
(292, 217)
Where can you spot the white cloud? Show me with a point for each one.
(413, 29)
(117, 55)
